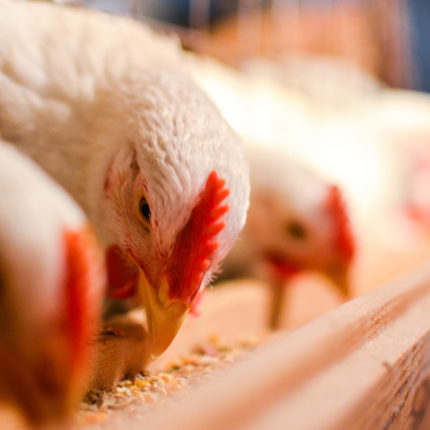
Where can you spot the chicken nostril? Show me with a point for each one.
(144, 209)
(296, 230)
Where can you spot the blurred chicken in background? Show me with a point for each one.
(297, 223)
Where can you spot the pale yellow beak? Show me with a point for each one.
(164, 315)
(340, 276)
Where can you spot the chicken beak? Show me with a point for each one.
(340, 276)
(164, 315)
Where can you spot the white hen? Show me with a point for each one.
(104, 105)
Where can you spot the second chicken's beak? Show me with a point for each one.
(164, 315)
(340, 276)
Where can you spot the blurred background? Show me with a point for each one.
(386, 38)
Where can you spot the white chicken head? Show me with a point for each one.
(175, 196)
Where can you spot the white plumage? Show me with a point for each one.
(105, 106)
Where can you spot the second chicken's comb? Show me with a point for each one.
(196, 242)
(344, 234)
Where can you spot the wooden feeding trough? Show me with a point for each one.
(364, 365)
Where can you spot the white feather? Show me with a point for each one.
(34, 215)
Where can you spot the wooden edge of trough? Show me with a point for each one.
(364, 365)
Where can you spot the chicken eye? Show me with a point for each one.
(144, 209)
(296, 230)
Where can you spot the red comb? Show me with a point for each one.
(196, 242)
(345, 238)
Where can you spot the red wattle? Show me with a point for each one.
(281, 268)
(121, 272)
